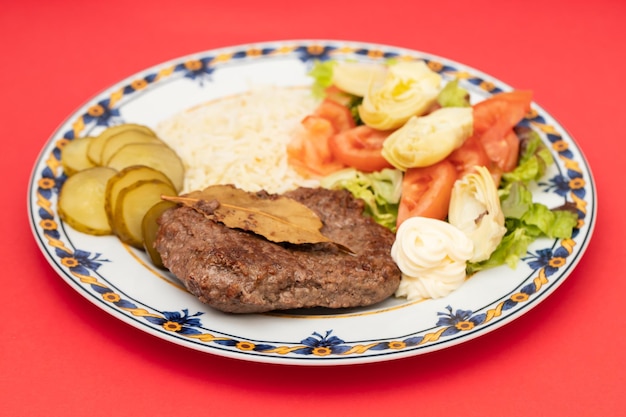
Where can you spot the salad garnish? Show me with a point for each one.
(514, 156)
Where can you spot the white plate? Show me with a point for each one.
(120, 280)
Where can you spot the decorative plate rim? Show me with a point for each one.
(550, 265)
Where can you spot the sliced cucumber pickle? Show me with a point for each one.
(117, 141)
(158, 156)
(74, 156)
(114, 184)
(94, 150)
(133, 202)
(124, 178)
(81, 200)
(150, 227)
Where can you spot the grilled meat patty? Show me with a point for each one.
(240, 272)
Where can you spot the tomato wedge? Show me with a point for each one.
(468, 156)
(335, 94)
(494, 120)
(503, 150)
(506, 108)
(360, 148)
(426, 191)
(308, 152)
(337, 114)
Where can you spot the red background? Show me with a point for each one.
(62, 356)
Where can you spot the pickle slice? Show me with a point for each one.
(158, 156)
(74, 156)
(94, 149)
(81, 200)
(133, 202)
(124, 178)
(150, 228)
(117, 141)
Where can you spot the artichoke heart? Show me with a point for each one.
(357, 77)
(475, 210)
(409, 88)
(426, 140)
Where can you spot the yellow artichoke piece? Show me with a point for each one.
(426, 140)
(409, 89)
(357, 77)
(475, 210)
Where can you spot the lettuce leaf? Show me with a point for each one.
(525, 219)
(512, 247)
(322, 74)
(515, 200)
(452, 95)
(556, 224)
(353, 105)
(380, 190)
(535, 158)
(538, 221)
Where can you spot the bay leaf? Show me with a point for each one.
(275, 217)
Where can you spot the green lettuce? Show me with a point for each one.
(380, 190)
(526, 220)
(322, 74)
(535, 158)
(452, 95)
(512, 246)
(353, 105)
(537, 221)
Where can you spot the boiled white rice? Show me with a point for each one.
(241, 139)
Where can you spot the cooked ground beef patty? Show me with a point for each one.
(240, 272)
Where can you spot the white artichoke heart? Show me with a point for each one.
(357, 77)
(426, 140)
(475, 210)
(409, 88)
